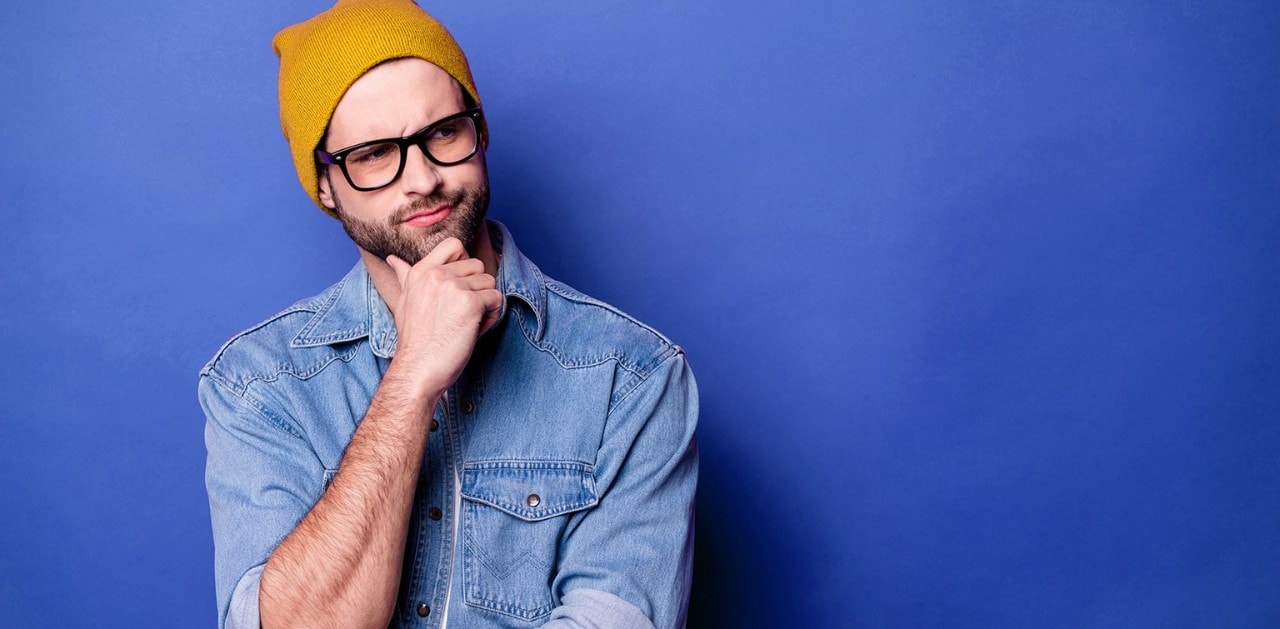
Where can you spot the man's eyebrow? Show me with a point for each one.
(401, 137)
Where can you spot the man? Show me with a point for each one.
(446, 436)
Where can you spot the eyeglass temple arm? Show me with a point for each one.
(325, 158)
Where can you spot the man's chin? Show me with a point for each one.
(412, 244)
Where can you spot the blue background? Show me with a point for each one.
(983, 297)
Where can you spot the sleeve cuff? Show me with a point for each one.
(243, 612)
(594, 609)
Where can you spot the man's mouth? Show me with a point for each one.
(428, 217)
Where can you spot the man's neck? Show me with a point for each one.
(384, 277)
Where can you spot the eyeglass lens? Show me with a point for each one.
(379, 164)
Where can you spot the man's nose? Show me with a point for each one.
(421, 176)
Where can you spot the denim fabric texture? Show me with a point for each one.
(563, 467)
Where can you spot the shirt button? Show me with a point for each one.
(533, 500)
(435, 425)
(468, 407)
(423, 610)
(435, 513)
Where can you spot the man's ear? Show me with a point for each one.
(326, 191)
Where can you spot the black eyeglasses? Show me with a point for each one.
(377, 163)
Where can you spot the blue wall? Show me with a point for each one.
(983, 297)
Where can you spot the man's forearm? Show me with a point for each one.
(341, 565)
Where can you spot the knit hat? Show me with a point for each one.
(321, 57)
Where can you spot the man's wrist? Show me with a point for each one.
(415, 384)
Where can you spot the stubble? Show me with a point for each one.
(384, 239)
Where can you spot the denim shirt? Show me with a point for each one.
(558, 482)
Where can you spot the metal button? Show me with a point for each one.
(435, 513)
(468, 407)
(533, 500)
(424, 610)
(435, 425)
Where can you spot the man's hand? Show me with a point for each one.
(341, 566)
(446, 302)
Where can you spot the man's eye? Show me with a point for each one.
(446, 131)
(370, 154)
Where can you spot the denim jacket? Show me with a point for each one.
(558, 483)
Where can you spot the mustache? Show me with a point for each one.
(426, 203)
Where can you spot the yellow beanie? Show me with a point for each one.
(321, 57)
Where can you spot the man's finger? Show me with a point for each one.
(400, 267)
(465, 267)
(493, 299)
(449, 250)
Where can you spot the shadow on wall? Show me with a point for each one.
(734, 565)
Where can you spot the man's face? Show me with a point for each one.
(428, 203)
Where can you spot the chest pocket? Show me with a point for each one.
(514, 514)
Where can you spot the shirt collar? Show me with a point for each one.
(518, 277)
(353, 309)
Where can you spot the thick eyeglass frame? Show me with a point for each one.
(339, 157)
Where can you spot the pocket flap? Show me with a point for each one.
(530, 490)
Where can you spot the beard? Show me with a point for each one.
(392, 239)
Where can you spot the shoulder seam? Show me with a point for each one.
(296, 308)
(626, 391)
(258, 409)
(573, 295)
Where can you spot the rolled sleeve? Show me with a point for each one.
(262, 478)
(593, 609)
(242, 613)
